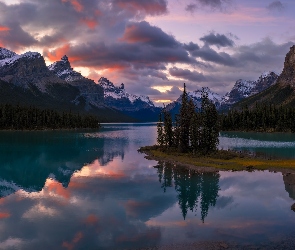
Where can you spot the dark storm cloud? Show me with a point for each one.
(191, 47)
(186, 74)
(275, 6)
(143, 32)
(112, 36)
(211, 4)
(16, 37)
(262, 54)
(220, 40)
(208, 54)
(124, 55)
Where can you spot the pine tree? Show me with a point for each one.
(184, 123)
(160, 138)
(168, 128)
(209, 125)
(194, 129)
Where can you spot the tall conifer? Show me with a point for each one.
(160, 132)
(209, 126)
(184, 123)
(168, 128)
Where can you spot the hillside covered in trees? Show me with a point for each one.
(262, 118)
(32, 118)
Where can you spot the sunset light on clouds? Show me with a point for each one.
(154, 46)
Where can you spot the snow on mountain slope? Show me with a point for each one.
(243, 89)
(196, 96)
(119, 92)
(5, 53)
(64, 70)
(11, 58)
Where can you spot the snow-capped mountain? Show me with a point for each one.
(89, 90)
(139, 107)
(64, 70)
(27, 70)
(5, 53)
(243, 88)
(196, 96)
(119, 94)
(105, 93)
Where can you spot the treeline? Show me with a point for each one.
(263, 118)
(31, 118)
(193, 131)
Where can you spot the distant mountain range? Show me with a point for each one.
(242, 89)
(280, 93)
(25, 79)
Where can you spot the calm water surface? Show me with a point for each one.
(92, 190)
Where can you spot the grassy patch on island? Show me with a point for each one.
(219, 160)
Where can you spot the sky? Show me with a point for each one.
(155, 46)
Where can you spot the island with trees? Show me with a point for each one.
(191, 139)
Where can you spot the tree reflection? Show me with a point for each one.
(193, 189)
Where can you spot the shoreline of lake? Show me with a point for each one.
(223, 161)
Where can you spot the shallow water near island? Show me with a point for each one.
(93, 190)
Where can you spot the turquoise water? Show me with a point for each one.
(93, 190)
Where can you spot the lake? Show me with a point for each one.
(93, 190)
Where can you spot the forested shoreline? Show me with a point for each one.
(262, 118)
(32, 118)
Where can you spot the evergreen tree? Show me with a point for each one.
(209, 125)
(160, 138)
(168, 128)
(194, 129)
(184, 123)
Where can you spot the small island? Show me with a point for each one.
(192, 141)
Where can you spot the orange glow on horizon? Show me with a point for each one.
(57, 54)
(163, 101)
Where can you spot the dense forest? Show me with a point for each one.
(262, 118)
(32, 118)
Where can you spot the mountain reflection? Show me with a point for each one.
(194, 190)
(29, 158)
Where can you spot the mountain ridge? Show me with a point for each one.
(26, 80)
(282, 92)
(61, 84)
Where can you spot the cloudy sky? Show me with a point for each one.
(154, 46)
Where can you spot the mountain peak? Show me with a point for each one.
(5, 53)
(106, 83)
(65, 58)
(112, 92)
(287, 78)
(64, 70)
